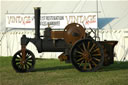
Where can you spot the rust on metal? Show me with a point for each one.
(23, 49)
(108, 48)
(73, 32)
(63, 57)
(57, 34)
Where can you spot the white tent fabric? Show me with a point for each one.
(10, 43)
(112, 14)
(112, 17)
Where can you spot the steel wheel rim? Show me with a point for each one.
(87, 55)
(23, 66)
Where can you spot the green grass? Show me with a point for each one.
(54, 72)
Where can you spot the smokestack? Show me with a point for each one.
(37, 22)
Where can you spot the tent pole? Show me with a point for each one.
(97, 34)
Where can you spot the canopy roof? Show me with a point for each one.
(112, 14)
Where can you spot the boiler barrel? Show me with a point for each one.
(50, 45)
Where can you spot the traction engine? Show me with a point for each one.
(77, 47)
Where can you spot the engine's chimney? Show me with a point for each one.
(37, 22)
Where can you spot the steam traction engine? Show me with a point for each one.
(78, 47)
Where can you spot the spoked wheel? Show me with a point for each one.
(87, 55)
(23, 66)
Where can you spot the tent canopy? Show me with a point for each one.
(111, 14)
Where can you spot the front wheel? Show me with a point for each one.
(23, 66)
(87, 55)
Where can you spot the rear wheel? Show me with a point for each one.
(23, 66)
(87, 55)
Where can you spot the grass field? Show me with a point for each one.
(54, 72)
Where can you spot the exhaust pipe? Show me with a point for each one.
(37, 22)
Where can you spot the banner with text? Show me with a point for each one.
(57, 21)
